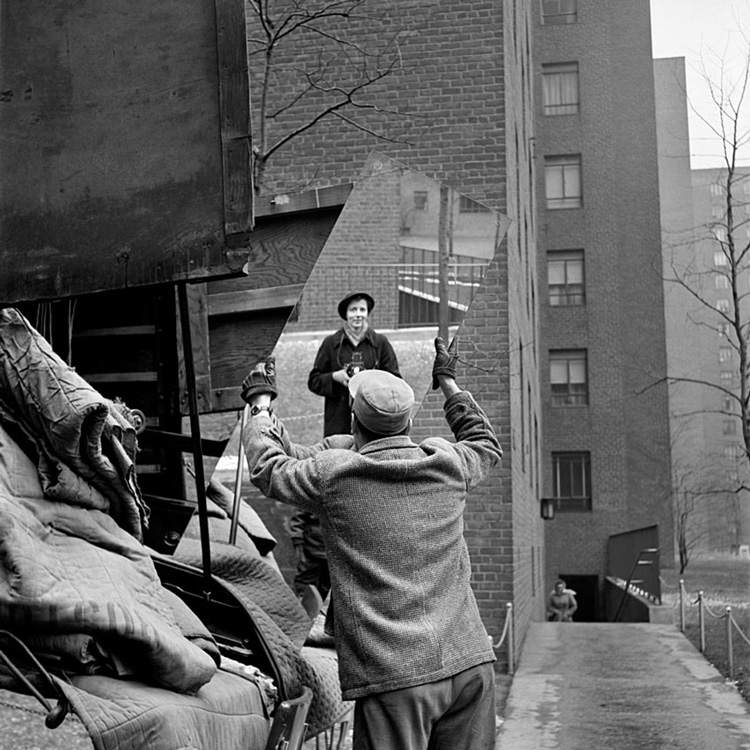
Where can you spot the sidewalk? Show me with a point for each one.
(588, 686)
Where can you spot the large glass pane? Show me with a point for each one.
(420, 250)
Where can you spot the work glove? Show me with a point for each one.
(261, 379)
(445, 361)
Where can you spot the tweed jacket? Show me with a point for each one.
(392, 518)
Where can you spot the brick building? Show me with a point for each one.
(466, 88)
(606, 432)
(567, 331)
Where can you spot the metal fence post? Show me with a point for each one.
(730, 654)
(511, 640)
(682, 606)
(701, 623)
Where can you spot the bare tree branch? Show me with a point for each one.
(315, 63)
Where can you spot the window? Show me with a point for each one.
(557, 12)
(723, 329)
(717, 212)
(727, 404)
(727, 378)
(420, 200)
(720, 233)
(571, 481)
(729, 427)
(717, 190)
(725, 354)
(560, 88)
(568, 377)
(565, 278)
(722, 305)
(720, 259)
(733, 451)
(721, 281)
(468, 206)
(562, 176)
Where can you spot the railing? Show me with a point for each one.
(636, 551)
(646, 557)
(509, 635)
(419, 285)
(731, 625)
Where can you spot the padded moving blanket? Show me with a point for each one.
(85, 446)
(75, 580)
(227, 714)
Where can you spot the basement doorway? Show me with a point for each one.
(587, 596)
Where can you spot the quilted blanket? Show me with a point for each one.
(84, 446)
(226, 714)
(257, 585)
(74, 578)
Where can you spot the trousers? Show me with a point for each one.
(457, 713)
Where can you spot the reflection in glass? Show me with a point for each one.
(420, 250)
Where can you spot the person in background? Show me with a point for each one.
(413, 652)
(354, 347)
(562, 603)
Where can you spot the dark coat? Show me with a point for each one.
(336, 352)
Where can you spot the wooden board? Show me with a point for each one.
(125, 152)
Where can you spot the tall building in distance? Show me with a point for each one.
(605, 446)
(708, 466)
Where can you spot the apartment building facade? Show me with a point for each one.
(605, 447)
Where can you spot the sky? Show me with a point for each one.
(705, 33)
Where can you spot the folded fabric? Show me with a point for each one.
(68, 573)
(85, 447)
(226, 714)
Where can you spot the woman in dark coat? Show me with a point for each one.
(354, 347)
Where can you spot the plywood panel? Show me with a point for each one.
(111, 160)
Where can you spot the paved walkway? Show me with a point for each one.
(591, 686)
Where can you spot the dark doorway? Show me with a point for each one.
(587, 596)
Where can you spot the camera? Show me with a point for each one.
(356, 365)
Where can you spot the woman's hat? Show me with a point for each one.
(355, 295)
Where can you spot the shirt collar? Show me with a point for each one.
(387, 443)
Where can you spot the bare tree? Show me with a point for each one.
(728, 268)
(313, 60)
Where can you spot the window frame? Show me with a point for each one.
(576, 392)
(570, 460)
(468, 205)
(568, 169)
(568, 293)
(559, 12)
(556, 84)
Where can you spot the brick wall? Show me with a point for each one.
(466, 88)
